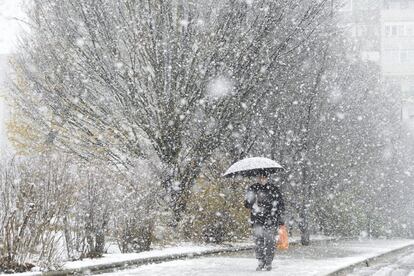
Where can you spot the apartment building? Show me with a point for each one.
(397, 47)
(384, 32)
(361, 18)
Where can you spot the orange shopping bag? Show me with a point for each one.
(283, 242)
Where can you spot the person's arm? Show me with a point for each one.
(250, 198)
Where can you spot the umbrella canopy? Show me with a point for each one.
(253, 166)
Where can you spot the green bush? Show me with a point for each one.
(215, 212)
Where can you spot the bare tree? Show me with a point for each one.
(121, 80)
(34, 193)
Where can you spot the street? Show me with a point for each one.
(400, 265)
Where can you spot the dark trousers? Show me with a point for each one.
(265, 241)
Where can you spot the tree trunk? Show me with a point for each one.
(100, 242)
(178, 206)
(304, 226)
(178, 198)
(100, 235)
(304, 208)
(68, 238)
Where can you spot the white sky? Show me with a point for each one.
(9, 26)
(10, 11)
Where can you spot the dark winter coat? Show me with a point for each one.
(266, 204)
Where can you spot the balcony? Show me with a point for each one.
(397, 15)
(404, 42)
(397, 69)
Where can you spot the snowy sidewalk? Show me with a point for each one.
(119, 260)
(322, 257)
(317, 259)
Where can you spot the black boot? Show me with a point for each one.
(260, 266)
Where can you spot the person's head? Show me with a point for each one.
(262, 179)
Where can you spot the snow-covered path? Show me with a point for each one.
(401, 265)
(319, 259)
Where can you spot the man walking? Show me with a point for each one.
(266, 210)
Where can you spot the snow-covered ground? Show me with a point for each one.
(119, 257)
(184, 248)
(319, 259)
(401, 265)
(116, 257)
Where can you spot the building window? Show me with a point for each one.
(390, 56)
(404, 57)
(399, 29)
(398, 56)
(409, 93)
(395, 5)
(409, 30)
(366, 5)
(387, 30)
(394, 31)
(404, 4)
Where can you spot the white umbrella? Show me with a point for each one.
(253, 166)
